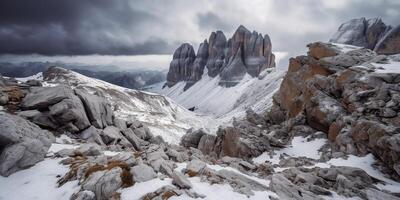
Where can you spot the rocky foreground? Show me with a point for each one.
(332, 133)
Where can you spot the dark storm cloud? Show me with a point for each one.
(131, 27)
(75, 27)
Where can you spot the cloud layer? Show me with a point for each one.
(130, 27)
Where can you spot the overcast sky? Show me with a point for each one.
(130, 27)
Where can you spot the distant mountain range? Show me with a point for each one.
(134, 79)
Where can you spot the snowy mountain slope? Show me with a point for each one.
(224, 103)
(163, 116)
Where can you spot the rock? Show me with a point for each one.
(141, 131)
(207, 143)
(180, 180)
(287, 190)
(65, 153)
(142, 173)
(83, 195)
(33, 82)
(119, 123)
(43, 97)
(389, 44)
(104, 184)
(320, 50)
(192, 138)
(89, 149)
(132, 138)
(195, 167)
(241, 183)
(71, 114)
(92, 135)
(164, 192)
(98, 110)
(111, 135)
(22, 143)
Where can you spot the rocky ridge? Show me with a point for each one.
(372, 34)
(246, 52)
(335, 92)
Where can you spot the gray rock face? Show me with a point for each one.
(181, 65)
(216, 53)
(41, 98)
(22, 143)
(198, 65)
(390, 43)
(142, 173)
(246, 52)
(99, 111)
(66, 110)
(361, 32)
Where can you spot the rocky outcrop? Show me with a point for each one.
(371, 33)
(22, 144)
(390, 43)
(245, 53)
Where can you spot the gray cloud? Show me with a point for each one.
(130, 27)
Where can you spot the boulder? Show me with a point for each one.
(92, 135)
(83, 195)
(192, 138)
(287, 190)
(195, 167)
(22, 143)
(43, 97)
(104, 184)
(98, 110)
(142, 173)
(180, 180)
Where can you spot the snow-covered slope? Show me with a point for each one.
(162, 115)
(224, 103)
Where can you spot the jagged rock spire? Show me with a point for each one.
(246, 52)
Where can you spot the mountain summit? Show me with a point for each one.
(246, 52)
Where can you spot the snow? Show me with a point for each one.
(391, 67)
(221, 104)
(142, 188)
(365, 163)
(55, 147)
(222, 191)
(38, 76)
(299, 147)
(345, 47)
(38, 182)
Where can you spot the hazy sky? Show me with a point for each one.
(130, 27)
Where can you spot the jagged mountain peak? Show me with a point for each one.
(220, 55)
(370, 33)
